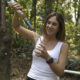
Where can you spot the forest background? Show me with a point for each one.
(15, 50)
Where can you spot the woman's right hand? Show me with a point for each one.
(16, 6)
(16, 18)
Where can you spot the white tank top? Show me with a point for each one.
(40, 70)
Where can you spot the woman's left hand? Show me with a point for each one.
(41, 51)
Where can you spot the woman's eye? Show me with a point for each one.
(48, 22)
(54, 24)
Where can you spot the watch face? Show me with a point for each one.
(50, 61)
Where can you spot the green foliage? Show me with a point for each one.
(73, 64)
(65, 7)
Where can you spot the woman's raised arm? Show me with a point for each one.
(28, 34)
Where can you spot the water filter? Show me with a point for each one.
(10, 3)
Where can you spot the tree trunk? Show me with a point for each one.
(57, 2)
(4, 45)
(0, 12)
(33, 12)
(78, 14)
(75, 12)
(48, 7)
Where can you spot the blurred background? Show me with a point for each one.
(15, 50)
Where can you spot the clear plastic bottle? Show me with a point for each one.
(20, 13)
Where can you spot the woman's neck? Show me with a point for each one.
(50, 38)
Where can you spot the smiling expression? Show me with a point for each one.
(52, 26)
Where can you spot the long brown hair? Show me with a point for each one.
(61, 33)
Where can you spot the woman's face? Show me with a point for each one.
(52, 26)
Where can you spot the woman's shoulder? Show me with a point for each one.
(65, 45)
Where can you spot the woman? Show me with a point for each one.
(50, 52)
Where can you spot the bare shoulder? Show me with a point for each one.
(64, 52)
(65, 45)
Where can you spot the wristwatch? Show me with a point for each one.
(51, 60)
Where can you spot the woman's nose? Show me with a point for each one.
(50, 25)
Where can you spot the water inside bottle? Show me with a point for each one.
(20, 13)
